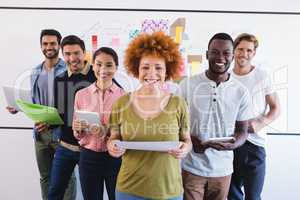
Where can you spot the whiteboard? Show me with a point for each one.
(277, 33)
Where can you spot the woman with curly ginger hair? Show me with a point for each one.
(150, 114)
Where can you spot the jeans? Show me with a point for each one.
(44, 151)
(63, 166)
(126, 196)
(95, 168)
(249, 172)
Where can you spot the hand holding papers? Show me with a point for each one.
(149, 146)
(40, 113)
(221, 143)
(13, 94)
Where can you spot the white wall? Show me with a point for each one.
(280, 56)
(19, 171)
(282, 178)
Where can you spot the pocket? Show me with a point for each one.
(262, 152)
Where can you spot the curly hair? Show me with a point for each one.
(157, 44)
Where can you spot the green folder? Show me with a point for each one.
(40, 113)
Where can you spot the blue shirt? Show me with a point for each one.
(59, 68)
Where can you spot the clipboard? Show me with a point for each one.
(40, 113)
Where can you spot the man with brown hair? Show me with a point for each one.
(249, 159)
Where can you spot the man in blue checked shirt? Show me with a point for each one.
(41, 81)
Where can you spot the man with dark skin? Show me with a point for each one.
(219, 107)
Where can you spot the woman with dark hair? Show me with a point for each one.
(96, 166)
(150, 114)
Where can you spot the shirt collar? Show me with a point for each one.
(59, 64)
(204, 77)
(113, 88)
(84, 71)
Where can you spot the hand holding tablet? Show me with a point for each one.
(220, 139)
(93, 122)
(89, 117)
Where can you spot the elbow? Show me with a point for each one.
(240, 138)
(276, 111)
(276, 108)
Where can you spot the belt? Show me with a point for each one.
(69, 146)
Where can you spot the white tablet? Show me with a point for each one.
(221, 139)
(90, 117)
(12, 94)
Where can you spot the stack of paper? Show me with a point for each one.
(12, 94)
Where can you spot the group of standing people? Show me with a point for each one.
(216, 103)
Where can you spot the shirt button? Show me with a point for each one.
(214, 100)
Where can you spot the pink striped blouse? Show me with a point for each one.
(94, 100)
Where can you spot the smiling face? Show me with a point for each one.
(152, 71)
(244, 53)
(104, 67)
(219, 56)
(74, 57)
(50, 46)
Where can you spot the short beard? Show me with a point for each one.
(52, 56)
(243, 66)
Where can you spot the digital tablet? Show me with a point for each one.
(90, 117)
(221, 139)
